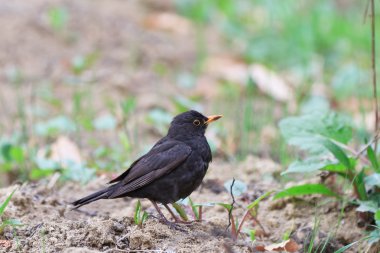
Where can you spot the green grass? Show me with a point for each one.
(7, 222)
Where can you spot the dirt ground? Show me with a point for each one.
(126, 35)
(49, 224)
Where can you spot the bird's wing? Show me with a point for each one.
(160, 143)
(159, 161)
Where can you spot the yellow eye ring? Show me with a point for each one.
(196, 122)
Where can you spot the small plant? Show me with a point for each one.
(196, 209)
(58, 18)
(324, 136)
(250, 213)
(139, 217)
(7, 222)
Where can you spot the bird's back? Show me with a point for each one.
(184, 179)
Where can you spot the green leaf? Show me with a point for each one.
(36, 174)
(125, 141)
(368, 206)
(128, 105)
(252, 234)
(372, 157)
(6, 202)
(339, 167)
(227, 206)
(257, 201)
(238, 188)
(374, 236)
(307, 130)
(194, 208)
(180, 211)
(58, 17)
(315, 103)
(6, 151)
(337, 152)
(137, 213)
(305, 189)
(360, 186)
(17, 154)
(377, 215)
(144, 217)
(306, 166)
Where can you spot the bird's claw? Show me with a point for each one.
(172, 225)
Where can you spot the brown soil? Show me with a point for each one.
(49, 225)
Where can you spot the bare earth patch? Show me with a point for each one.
(107, 225)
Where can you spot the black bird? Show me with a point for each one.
(171, 170)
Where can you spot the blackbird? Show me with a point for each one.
(171, 170)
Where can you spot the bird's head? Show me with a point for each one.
(190, 123)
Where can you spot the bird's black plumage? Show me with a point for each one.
(171, 170)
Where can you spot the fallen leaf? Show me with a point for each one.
(288, 246)
(228, 69)
(62, 151)
(5, 243)
(270, 83)
(236, 71)
(169, 22)
(260, 248)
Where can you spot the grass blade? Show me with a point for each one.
(180, 211)
(338, 153)
(372, 157)
(194, 208)
(360, 185)
(306, 189)
(257, 201)
(6, 202)
(343, 249)
(137, 213)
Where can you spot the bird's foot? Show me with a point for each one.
(171, 224)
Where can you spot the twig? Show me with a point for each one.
(232, 205)
(352, 151)
(373, 52)
(375, 139)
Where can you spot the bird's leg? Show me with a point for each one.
(175, 217)
(162, 216)
(166, 221)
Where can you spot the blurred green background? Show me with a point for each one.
(87, 86)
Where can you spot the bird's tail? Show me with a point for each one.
(102, 194)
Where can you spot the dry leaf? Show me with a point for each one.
(5, 244)
(288, 246)
(228, 69)
(260, 248)
(270, 83)
(169, 22)
(233, 70)
(63, 150)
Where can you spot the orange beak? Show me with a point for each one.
(212, 118)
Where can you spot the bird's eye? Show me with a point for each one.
(196, 122)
